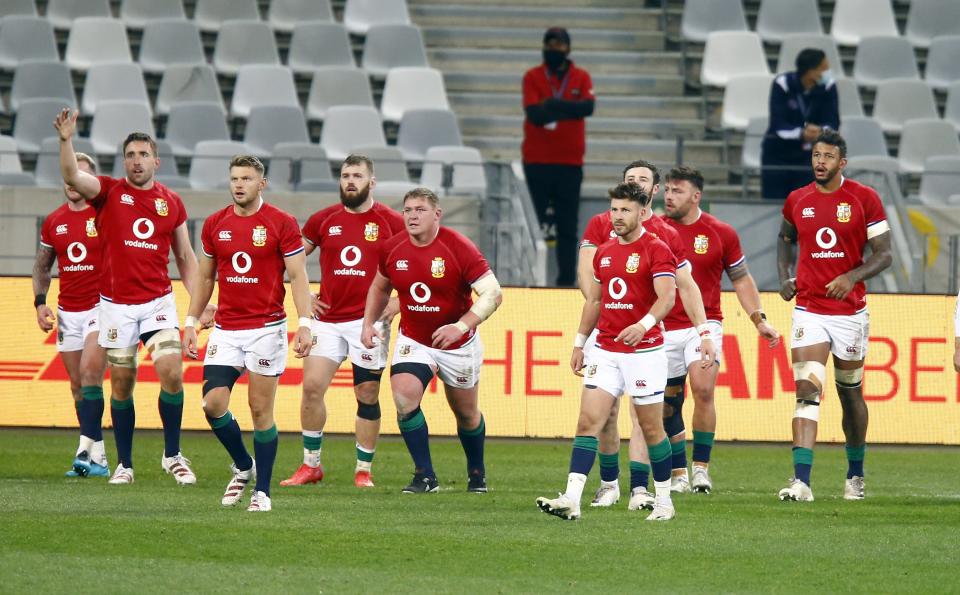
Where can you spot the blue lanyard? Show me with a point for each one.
(557, 93)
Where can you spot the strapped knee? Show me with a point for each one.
(123, 357)
(369, 412)
(361, 375)
(848, 378)
(219, 377)
(163, 342)
(808, 402)
(673, 423)
(423, 372)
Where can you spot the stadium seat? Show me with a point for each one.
(468, 175)
(777, 18)
(871, 170)
(951, 110)
(185, 82)
(240, 43)
(316, 45)
(9, 157)
(137, 14)
(928, 19)
(293, 164)
(389, 46)
(346, 127)
(211, 14)
(389, 192)
(943, 65)
(16, 179)
(26, 38)
(62, 13)
(882, 58)
(924, 138)
(793, 44)
(35, 79)
(745, 97)
(421, 129)
(208, 168)
(193, 121)
(168, 164)
(752, 142)
(262, 84)
(18, 7)
(703, 17)
(388, 163)
(284, 15)
(167, 42)
(268, 125)
(730, 54)
(940, 178)
(360, 15)
(864, 137)
(97, 40)
(111, 82)
(855, 19)
(412, 88)
(849, 94)
(47, 172)
(899, 100)
(337, 85)
(114, 120)
(35, 121)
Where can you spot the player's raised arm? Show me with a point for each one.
(87, 185)
(204, 280)
(787, 259)
(749, 297)
(376, 302)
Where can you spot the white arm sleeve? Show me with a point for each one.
(488, 291)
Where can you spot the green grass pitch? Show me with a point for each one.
(82, 535)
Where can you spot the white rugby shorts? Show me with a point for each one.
(261, 350)
(641, 375)
(338, 340)
(122, 324)
(73, 328)
(683, 347)
(848, 335)
(459, 368)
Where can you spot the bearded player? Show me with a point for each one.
(434, 270)
(830, 221)
(349, 236)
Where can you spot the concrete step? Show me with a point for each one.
(510, 104)
(551, 4)
(597, 127)
(531, 38)
(661, 85)
(609, 173)
(596, 63)
(699, 153)
(535, 17)
(597, 191)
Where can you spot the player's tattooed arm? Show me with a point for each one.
(880, 258)
(41, 283)
(786, 259)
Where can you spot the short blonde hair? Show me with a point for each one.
(247, 161)
(426, 193)
(88, 160)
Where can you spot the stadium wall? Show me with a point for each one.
(527, 389)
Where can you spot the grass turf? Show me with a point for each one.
(82, 535)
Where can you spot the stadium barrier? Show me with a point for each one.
(527, 388)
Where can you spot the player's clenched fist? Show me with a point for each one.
(370, 336)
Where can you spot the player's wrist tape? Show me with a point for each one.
(580, 341)
(190, 321)
(39, 300)
(703, 330)
(304, 321)
(757, 317)
(649, 321)
(462, 326)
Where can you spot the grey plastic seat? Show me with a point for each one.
(18, 7)
(170, 41)
(703, 17)
(41, 79)
(337, 86)
(97, 40)
(882, 58)
(34, 122)
(871, 170)
(347, 127)
(855, 19)
(389, 46)
(849, 96)
(940, 178)
(268, 125)
(262, 84)
(393, 191)
(193, 121)
(753, 142)
(185, 82)
(47, 172)
(745, 97)
(795, 43)
(24, 38)
(294, 163)
(114, 120)
(284, 15)
(777, 18)
(412, 88)
(315, 45)
(137, 14)
(168, 164)
(468, 175)
(110, 82)
(730, 54)
(208, 168)
(943, 65)
(925, 138)
(899, 100)
(951, 110)
(360, 15)
(864, 137)
(240, 43)
(929, 19)
(211, 14)
(9, 157)
(421, 129)
(388, 163)
(62, 13)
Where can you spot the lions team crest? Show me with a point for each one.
(91, 228)
(211, 350)
(701, 244)
(111, 334)
(259, 236)
(591, 371)
(404, 350)
(162, 208)
(633, 263)
(437, 267)
(371, 231)
(843, 212)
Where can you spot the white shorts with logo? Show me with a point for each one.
(683, 347)
(338, 340)
(122, 324)
(260, 350)
(73, 328)
(848, 335)
(458, 367)
(641, 375)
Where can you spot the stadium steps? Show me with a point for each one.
(507, 104)
(595, 62)
(612, 128)
(551, 4)
(698, 152)
(664, 85)
(573, 14)
(530, 38)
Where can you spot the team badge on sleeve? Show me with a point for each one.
(437, 267)
(91, 228)
(162, 209)
(701, 244)
(633, 263)
(259, 236)
(371, 231)
(843, 212)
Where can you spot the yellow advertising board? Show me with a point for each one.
(527, 388)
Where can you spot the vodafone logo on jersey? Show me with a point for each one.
(62, 229)
(421, 294)
(242, 263)
(617, 289)
(76, 253)
(827, 239)
(142, 228)
(350, 256)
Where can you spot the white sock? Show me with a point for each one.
(662, 489)
(311, 458)
(86, 444)
(364, 465)
(98, 454)
(575, 483)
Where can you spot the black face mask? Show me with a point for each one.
(554, 59)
